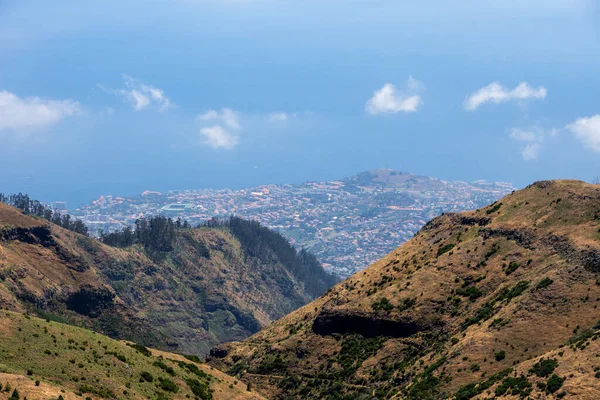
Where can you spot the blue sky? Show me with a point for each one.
(118, 97)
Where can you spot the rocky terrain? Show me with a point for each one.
(500, 302)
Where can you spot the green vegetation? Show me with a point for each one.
(382, 304)
(82, 361)
(472, 292)
(544, 367)
(544, 283)
(35, 208)
(495, 208)
(554, 383)
(514, 386)
(500, 355)
(512, 267)
(444, 249)
(474, 389)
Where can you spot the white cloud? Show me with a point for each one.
(33, 112)
(587, 130)
(218, 137)
(496, 93)
(388, 100)
(531, 151)
(278, 117)
(530, 135)
(140, 95)
(534, 137)
(225, 116)
(223, 132)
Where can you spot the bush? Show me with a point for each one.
(200, 389)
(142, 349)
(544, 283)
(554, 383)
(168, 385)
(500, 355)
(493, 209)
(444, 249)
(472, 292)
(164, 367)
(146, 376)
(544, 368)
(512, 267)
(382, 304)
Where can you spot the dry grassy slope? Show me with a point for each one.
(76, 363)
(519, 276)
(181, 301)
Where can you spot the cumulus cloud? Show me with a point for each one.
(223, 128)
(33, 112)
(140, 95)
(388, 100)
(533, 137)
(587, 130)
(218, 137)
(496, 93)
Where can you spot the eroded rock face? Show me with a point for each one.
(329, 322)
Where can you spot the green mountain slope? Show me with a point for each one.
(207, 287)
(42, 359)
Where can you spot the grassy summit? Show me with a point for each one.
(44, 360)
(501, 302)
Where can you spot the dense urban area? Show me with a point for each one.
(347, 223)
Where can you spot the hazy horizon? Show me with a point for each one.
(123, 97)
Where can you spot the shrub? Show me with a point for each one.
(146, 376)
(169, 370)
(167, 385)
(500, 355)
(494, 208)
(554, 383)
(382, 304)
(512, 267)
(444, 249)
(544, 368)
(192, 357)
(200, 389)
(142, 349)
(518, 386)
(544, 283)
(472, 292)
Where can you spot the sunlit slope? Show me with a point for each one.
(44, 359)
(468, 308)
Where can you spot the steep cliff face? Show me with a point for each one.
(207, 289)
(500, 301)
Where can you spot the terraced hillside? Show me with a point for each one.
(501, 302)
(41, 359)
(207, 287)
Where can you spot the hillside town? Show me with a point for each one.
(347, 224)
